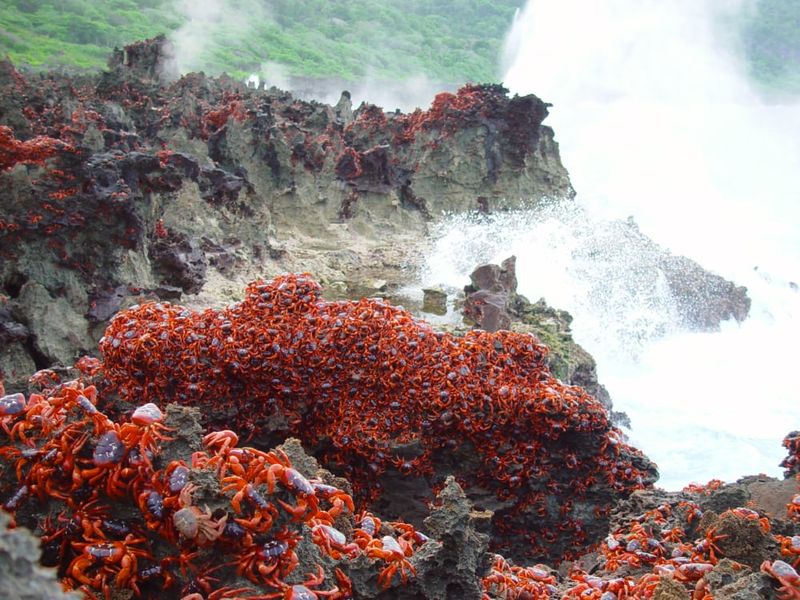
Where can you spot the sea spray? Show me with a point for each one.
(657, 123)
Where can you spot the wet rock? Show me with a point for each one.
(691, 295)
(703, 299)
(489, 295)
(21, 577)
(434, 301)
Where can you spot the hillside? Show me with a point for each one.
(349, 39)
(447, 41)
(771, 39)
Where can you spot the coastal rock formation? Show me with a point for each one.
(145, 504)
(126, 186)
(129, 186)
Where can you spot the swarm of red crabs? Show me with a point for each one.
(227, 521)
(133, 503)
(131, 517)
(372, 390)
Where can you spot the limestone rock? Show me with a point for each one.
(21, 577)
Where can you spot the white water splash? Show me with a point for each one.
(655, 120)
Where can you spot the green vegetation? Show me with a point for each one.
(48, 33)
(772, 42)
(449, 41)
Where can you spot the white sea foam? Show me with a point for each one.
(657, 121)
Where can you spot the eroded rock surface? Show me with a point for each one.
(127, 186)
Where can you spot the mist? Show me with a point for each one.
(206, 22)
(665, 85)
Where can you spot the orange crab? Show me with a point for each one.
(195, 524)
(118, 559)
(304, 592)
(793, 508)
(394, 553)
(145, 430)
(786, 576)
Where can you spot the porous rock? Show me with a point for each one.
(21, 577)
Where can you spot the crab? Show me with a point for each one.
(304, 592)
(145, 430)
(394, 553)
(333, 541)
(271, 561)
(281, 469)
(793, 508)
(116, 559)
(195, 524)
(790, 546)
(786, 575)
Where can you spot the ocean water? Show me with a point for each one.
(658, 123)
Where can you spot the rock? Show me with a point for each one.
(180, 260)
(344, 109)
(488, 297)
(694, 297)
(202, 183)
(453, 562)
(146, 60)
(21, 577)
(58, 331)
(703, 299)
(17, 365)
(434, 301)
(669, 589)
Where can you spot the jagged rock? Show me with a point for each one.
(21, 577)
(698, 299)
(344, 109)
(452, 563)
(148, 59)
(212, 160)
(489, 295)
(180, 261)
(669, 589)
(703, 299)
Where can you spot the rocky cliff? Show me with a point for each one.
(125, 186)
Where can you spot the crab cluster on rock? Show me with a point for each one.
(378, 394)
